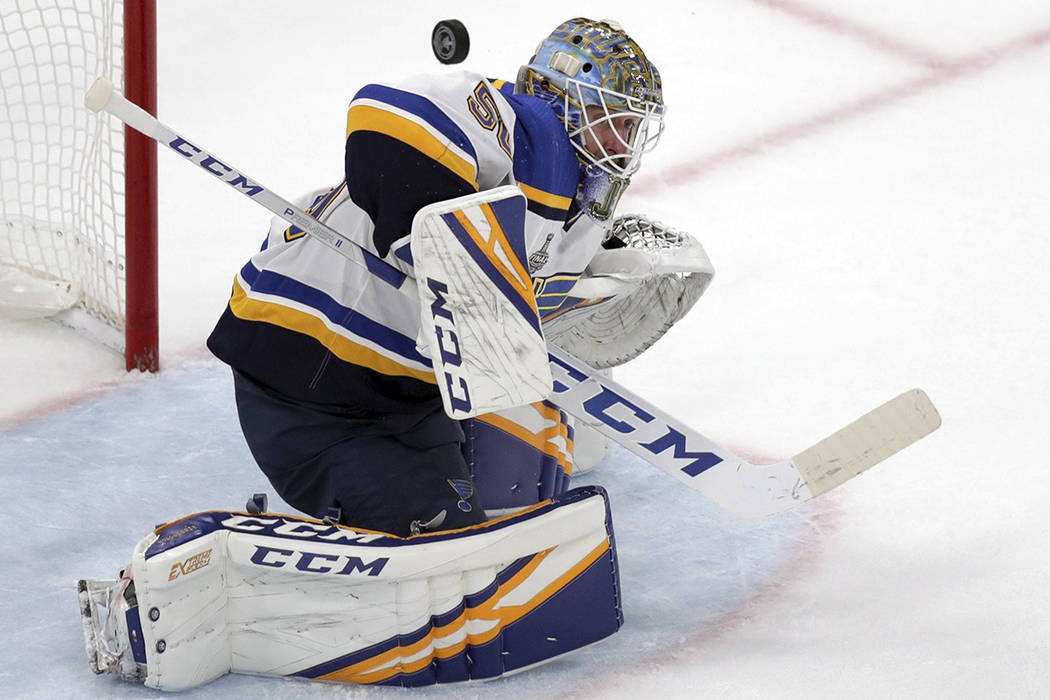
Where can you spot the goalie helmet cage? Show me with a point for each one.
(78, 194)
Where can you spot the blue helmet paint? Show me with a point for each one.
(592, 74)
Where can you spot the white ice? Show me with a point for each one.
(872, 183)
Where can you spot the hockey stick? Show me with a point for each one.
(735, 484)
(103, 97)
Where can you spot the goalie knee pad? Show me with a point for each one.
(519, 456)
(276, 595)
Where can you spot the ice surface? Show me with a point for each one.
(871, 186)
(95, 469)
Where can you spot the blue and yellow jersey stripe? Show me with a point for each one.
(350, 335)
(545, 163)
(417, 122)
(546, 204)
(551, 292)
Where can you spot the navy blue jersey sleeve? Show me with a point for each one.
(545, 163)
(402, 153)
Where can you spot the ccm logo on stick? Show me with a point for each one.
(214, 166)
(448, 347)
(625, 417)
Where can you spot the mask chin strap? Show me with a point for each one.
(600, 192)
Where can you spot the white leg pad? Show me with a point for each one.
(286, 596)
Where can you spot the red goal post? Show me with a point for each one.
(140, 159)
(78, 195)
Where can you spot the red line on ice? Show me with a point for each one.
(688, 649)
(868, 36)
(950, 71)
(825, 519)
(123, 380)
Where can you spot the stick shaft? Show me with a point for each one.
(102, 97)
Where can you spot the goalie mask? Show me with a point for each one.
(604, 89)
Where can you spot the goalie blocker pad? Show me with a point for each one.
(479, 321)
(285, 596)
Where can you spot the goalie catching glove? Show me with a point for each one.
(645, 280)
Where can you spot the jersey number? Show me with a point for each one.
(483, 107)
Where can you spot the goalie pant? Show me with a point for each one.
(221, 592)
(493, 463)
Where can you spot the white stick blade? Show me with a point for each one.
(867, 441)
(98, 95)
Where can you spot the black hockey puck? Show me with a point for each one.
(450, 41)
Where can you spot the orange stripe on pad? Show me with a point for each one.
(366, 671)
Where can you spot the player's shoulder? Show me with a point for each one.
(461, 110)
(432, 96)
(444, 87)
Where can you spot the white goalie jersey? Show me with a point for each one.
(353, 332)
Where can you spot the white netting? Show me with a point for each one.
(61, 166)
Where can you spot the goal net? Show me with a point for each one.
(68, 224)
